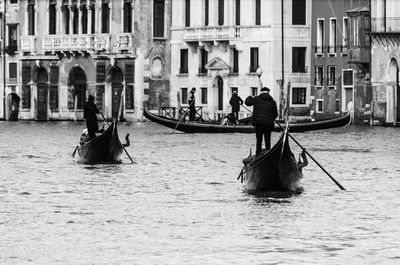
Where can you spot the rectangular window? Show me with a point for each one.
(298, 12)
(128, 15)
(253, 60)
(31, 17)
(203, 61)
(254, 91)
(66, 17)
(54, 78)
(75, 19)
(237, 13)
(320, 105)
(299, 95)
(331, 75)
(130, 72)
(12, 38)
(184, 62)
(258, 12)
(100, 96)
(332, 36)
(105, 17)
(187, 13)
(204, 95)
(129, 97)
(206, 12)
(319, 76)
(100, 72)
(299, 60)
(355, 41)
(12, 70)
(320, 35)
(337, 107)
(26, 96)
(26, 74)
(158, 18)
(84, 21)
(345, 31)
(93, 9)
(52, 19)
(221, 12)
(235, 54)
(184, 93)
(348, 78)
(13, 1)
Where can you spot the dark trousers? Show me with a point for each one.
(92, 128)
(192, 112)
(236, 114)
(263, 130)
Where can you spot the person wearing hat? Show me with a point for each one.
(89, 112)
(235, 102)
(191, 99)
(265, 112)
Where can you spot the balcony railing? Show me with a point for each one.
(98, 42)
(28, 44)
(330, 49)
(211, 34)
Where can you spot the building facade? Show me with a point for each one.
(385, 32)
(217, 47)
(57, 52)
(340, 59)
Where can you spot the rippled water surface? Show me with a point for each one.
(180, 202)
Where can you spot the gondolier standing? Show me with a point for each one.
(191, 99)
(90, 111)
(235, 102)
(264, 115)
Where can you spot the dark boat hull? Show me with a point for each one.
(204, 127)
(105, 148)
(275, 170)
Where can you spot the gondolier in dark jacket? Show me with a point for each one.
(90, 111)
(264, 115)
(191, 99)
(235, 102)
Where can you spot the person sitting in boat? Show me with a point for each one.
(228, 120)
(89, 112)
(84, 137)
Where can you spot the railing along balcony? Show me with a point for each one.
(28, 44)
(98, 42)
(211, 34)
(124, 42)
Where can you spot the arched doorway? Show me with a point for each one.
(116, 90)
(393, 93)
(13, 106)
(42, 80)
(77, 81)
(218, 93)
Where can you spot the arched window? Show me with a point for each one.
(76, 88)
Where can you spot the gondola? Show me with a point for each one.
(274, 170)
(209, 127)
(105, 148)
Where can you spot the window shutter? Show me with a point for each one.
(12, 70)
(129, 97)
(100, 73)
(26, 74)
(130, 72)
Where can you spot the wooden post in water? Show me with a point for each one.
(75, 107)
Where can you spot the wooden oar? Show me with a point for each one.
(323, 169)
(183, 116)
(73, 153)
(122, 145)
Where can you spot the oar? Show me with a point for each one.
(183, 116)
(122, 145)
(323, 169)
(73, 153)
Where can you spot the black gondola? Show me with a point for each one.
(209, 127)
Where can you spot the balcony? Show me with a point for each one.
(359, 55)
(80, 43)
(211, 34)
(124, 42)
(28, 44)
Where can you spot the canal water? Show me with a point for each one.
(180, 202)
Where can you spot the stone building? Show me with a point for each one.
(385, 32)
(57, 52)
(340, 58)
(217, 47)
